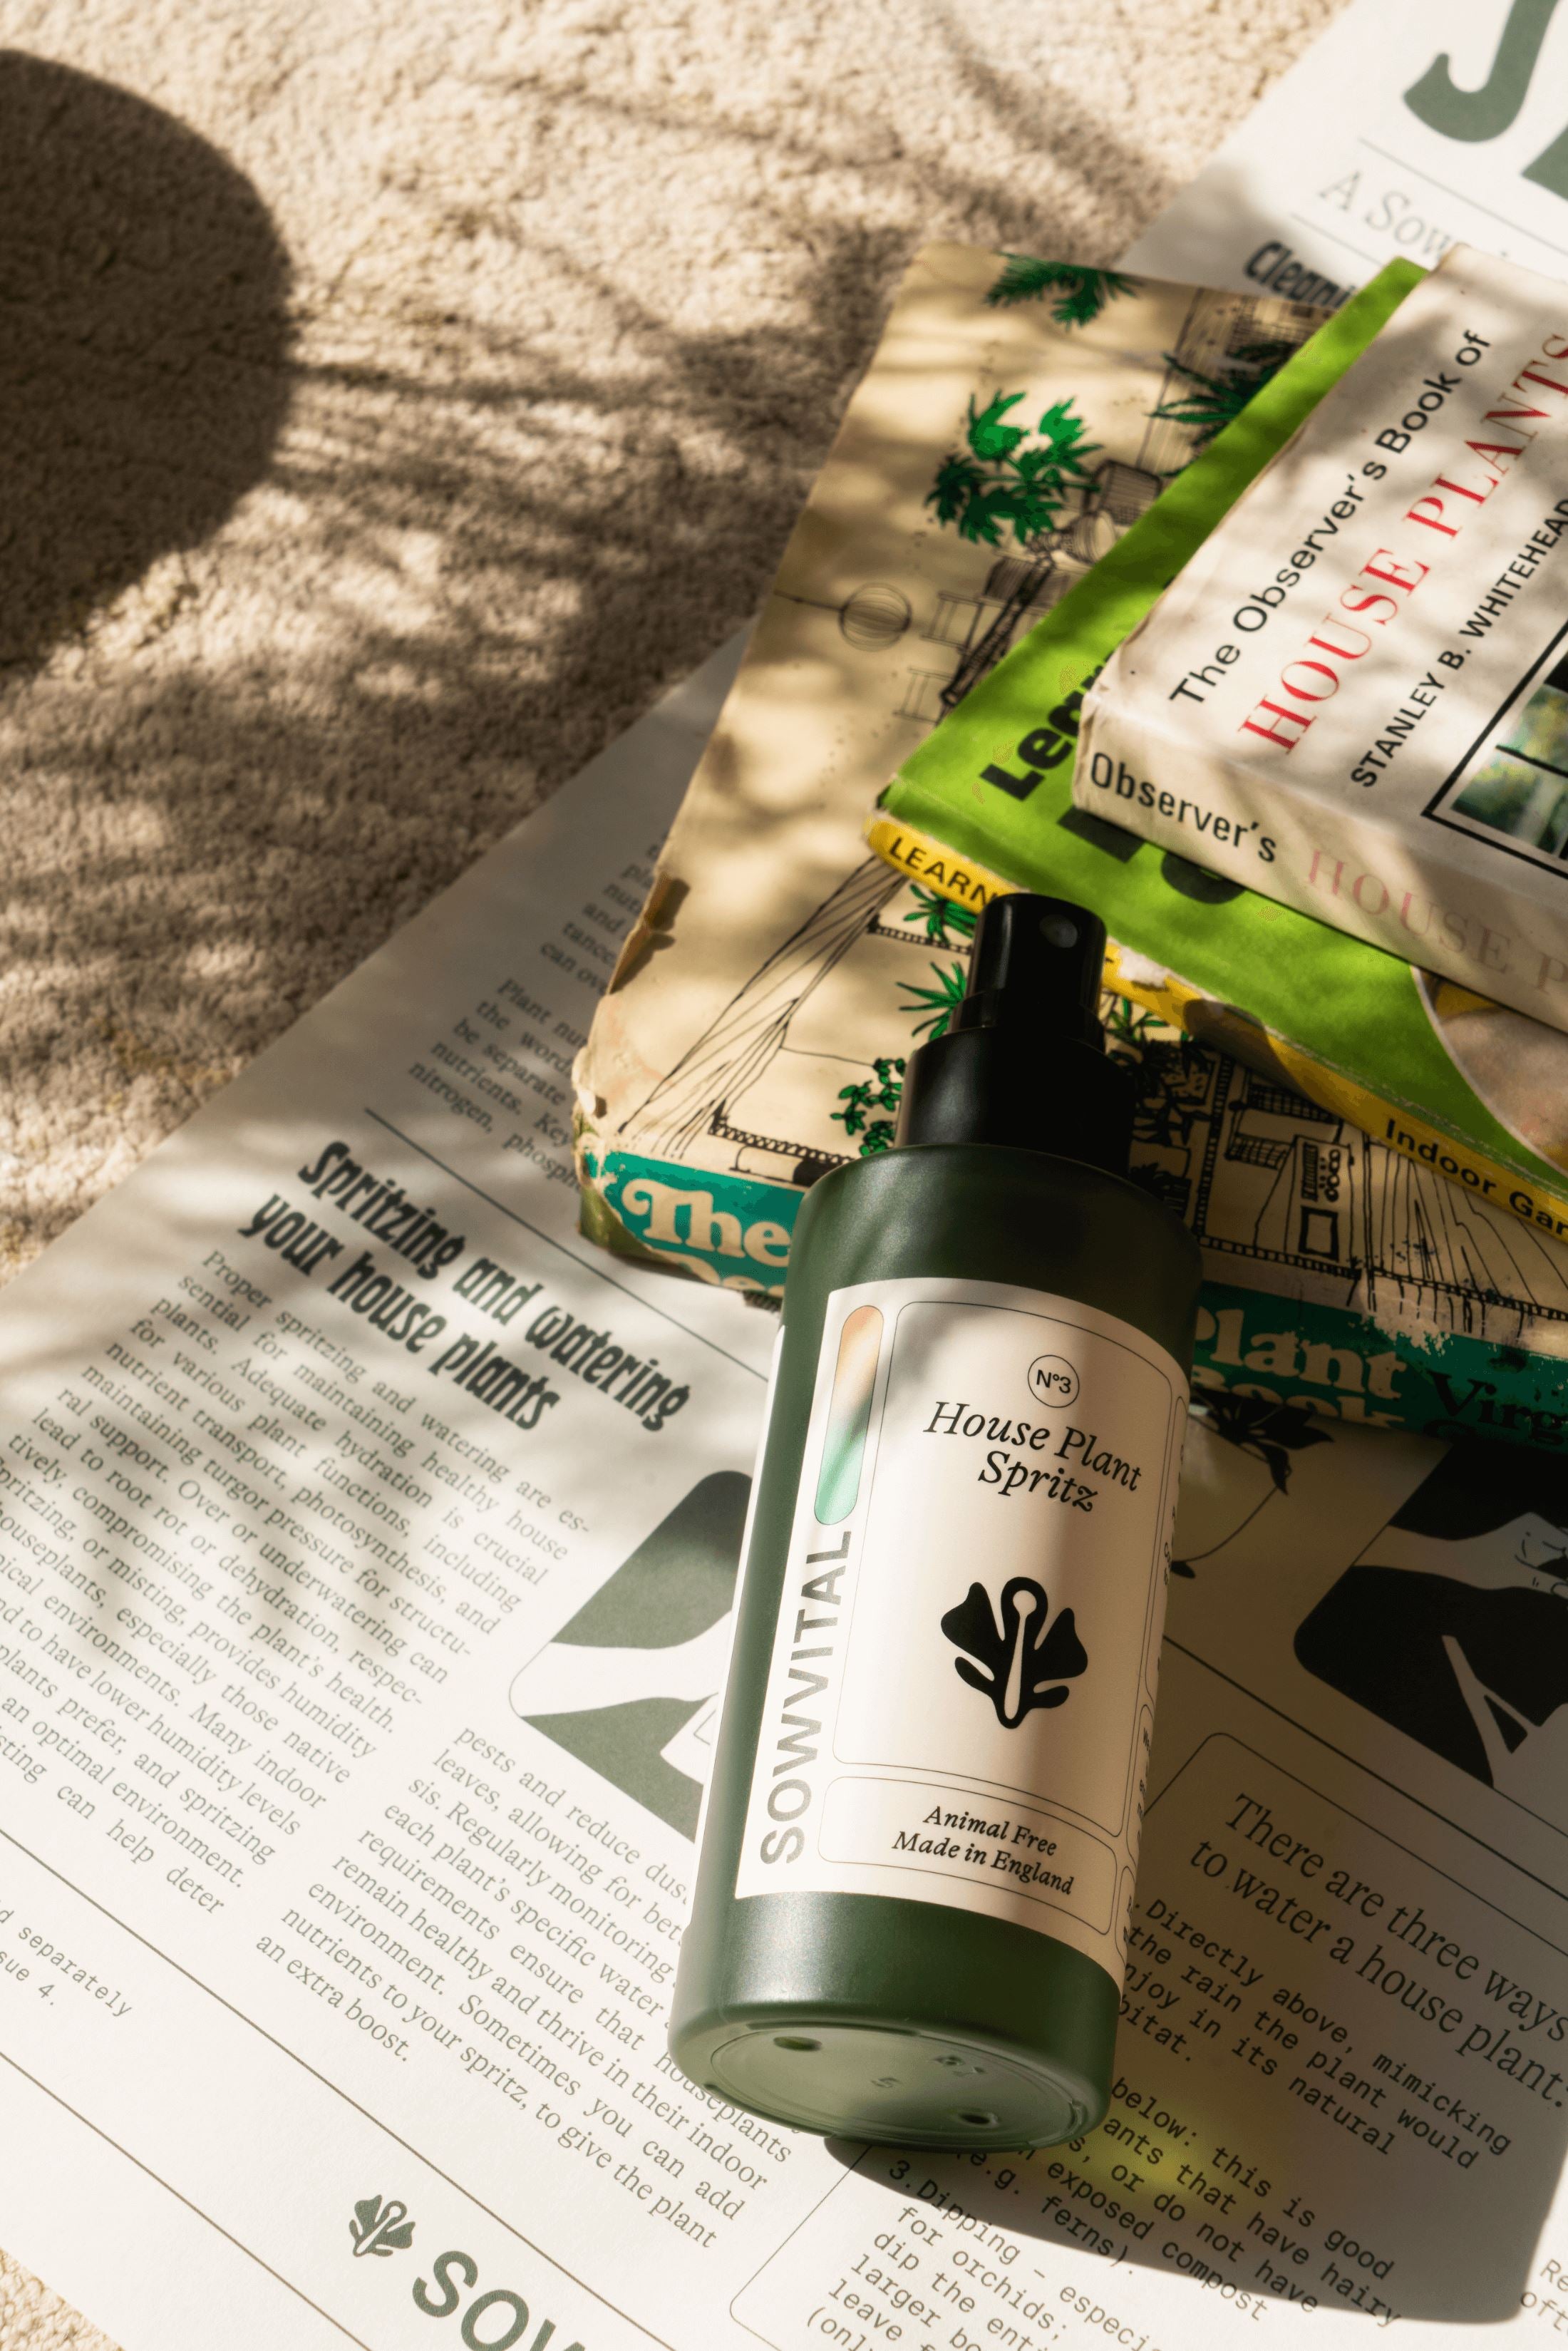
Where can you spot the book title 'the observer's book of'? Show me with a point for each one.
(1355, 698)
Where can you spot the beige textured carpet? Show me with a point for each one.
(396, 395)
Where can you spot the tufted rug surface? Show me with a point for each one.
(395, 399)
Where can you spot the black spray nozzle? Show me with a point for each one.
(1036, 960)
(1023, 1061)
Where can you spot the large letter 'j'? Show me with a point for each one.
(1488, 112)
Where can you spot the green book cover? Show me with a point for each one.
(1433, 1069)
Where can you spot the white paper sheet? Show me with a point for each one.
(1410, 126)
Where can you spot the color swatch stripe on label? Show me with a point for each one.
(849, 1415)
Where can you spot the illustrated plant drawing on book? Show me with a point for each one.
(1017, 417)
(1018, 425)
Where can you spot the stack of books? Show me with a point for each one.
(1245, 626)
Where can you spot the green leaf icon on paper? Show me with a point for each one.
(378, 2228)
(1019, 1664)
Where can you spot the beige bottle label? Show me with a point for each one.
(962, 1685)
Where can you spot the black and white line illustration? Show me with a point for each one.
(1453, 1624)
(1267, 1178)
(1029, 494)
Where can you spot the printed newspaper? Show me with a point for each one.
(367, 1548)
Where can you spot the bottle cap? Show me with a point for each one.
(1023, 1062)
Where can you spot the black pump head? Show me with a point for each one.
(1023, 1061)
(1036, 960)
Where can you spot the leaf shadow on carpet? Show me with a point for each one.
(144, 295)
(478, 548)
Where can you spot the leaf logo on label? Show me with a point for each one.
(1018, 1662)
(378, 2228)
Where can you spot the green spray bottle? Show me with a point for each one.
(917, 1850)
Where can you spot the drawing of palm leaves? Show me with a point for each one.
(944, 922)
(1218, 400)
(378, 2228)
(1010, 1656)
(1269, 1431)
(1128, 1027)
(939, 1003)
(1163, 1112)
(1081, 294)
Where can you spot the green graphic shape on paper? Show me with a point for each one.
(1077, 295)
(381, 2228)
(647, 1653)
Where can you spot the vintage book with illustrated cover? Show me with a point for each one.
(1355, 698)
(1017, 416)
